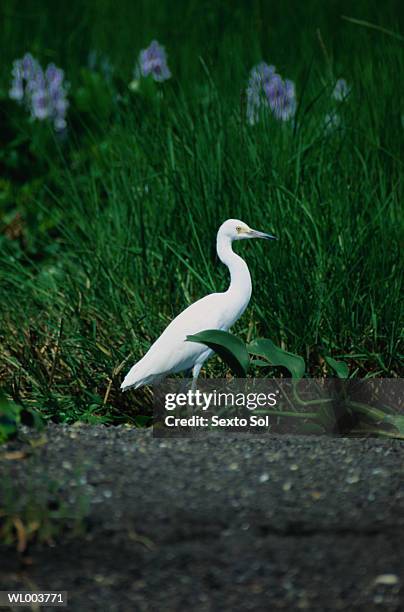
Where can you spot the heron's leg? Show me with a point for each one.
(195, 373)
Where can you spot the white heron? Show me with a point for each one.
(171, 353)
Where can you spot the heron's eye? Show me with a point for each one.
(238, 229)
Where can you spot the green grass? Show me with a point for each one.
(39, 511)
(117, 226)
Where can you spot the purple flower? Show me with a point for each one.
(29, 66)
(341, 90)
(40, 106)
(262, 73)
(281, 97)
(267, 89)
(17, 91)
(60, 124)
(260, 76)
(60, 106)
(54, 77)
(254, 100)
(17, 86)
(43, 93)
(332, 121)
(153, 60)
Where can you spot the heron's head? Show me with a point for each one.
(238, 230)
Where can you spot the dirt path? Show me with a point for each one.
(225, 523)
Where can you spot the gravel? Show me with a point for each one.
(221, 523)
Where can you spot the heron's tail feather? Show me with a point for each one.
(139, 375)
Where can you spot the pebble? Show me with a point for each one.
(387, 579)
(352, 478)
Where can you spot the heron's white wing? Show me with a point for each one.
(172, 348)
(171, 353)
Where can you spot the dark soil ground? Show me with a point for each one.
(226, 523)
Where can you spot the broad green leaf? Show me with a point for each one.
(261, 363)
(311, 428)
(397, 420)
(230, 348)
(327, 417)
(340, 367)
(263, 347)
(364, 411)
(379, 417)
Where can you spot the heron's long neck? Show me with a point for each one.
(240, 279)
